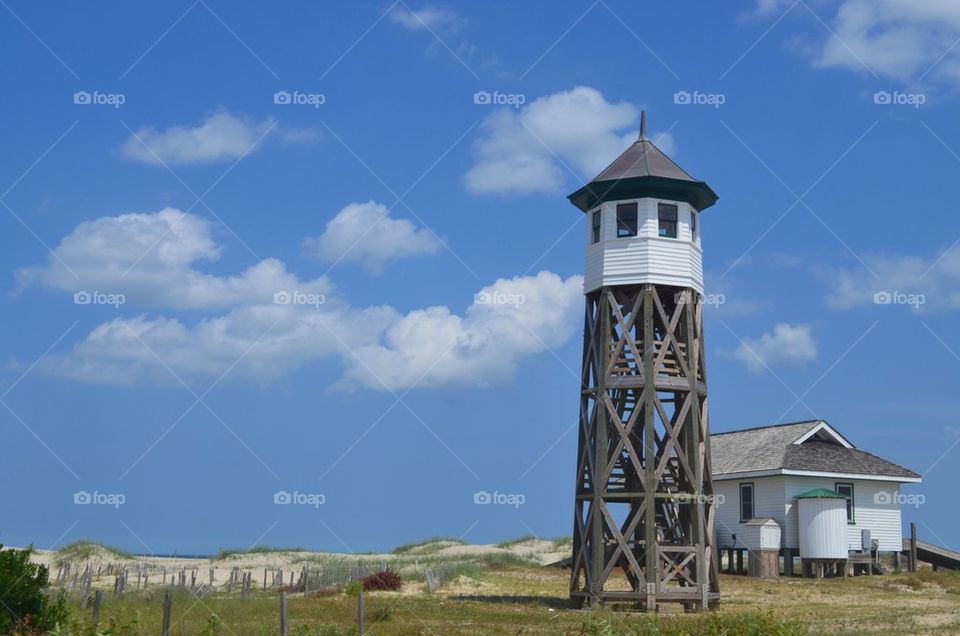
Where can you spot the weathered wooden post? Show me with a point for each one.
(97, 599)
(913, 546)
(360, 611)
(283, 614)
(167, 610)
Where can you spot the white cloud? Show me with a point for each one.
(786, 344)
(529, 150)
(481, 347)
(220, 137)
(151, 258)
(260, 340)
(429, 17)
(898, 39)
(365, 233)
(936, 280)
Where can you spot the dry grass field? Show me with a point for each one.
(488, 593)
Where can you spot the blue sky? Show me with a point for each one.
(187, 162)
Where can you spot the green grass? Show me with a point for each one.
(408, 547)
(509, 543)
(394, 614)
(532, 600)
(84, 550)
(227, 553)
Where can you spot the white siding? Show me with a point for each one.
(876, 508)
(767, 502)
(645, 258)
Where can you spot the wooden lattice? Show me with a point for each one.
(643, 472)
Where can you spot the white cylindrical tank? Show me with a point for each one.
(823, 525)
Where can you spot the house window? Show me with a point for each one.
(693, 226)
(626, 219)
(746, 502)
(596, 226)
(846, 489)
(667, 216)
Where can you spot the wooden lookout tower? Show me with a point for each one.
(644, 522)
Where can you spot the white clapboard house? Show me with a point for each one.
(760, 472)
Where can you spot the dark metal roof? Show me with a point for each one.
(643, 170)
(772, 448)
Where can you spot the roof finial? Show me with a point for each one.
(643, 125)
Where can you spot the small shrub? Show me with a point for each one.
(26, 608)
(353, 588)
(383, 580)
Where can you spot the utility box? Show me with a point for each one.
(762, 539)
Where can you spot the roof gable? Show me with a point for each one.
(811, 446)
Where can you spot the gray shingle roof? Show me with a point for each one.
(773, 448)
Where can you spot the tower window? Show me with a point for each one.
(667, 216)
(596, 226)
(626, 220)
(693, 226)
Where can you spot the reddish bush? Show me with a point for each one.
(383, 580)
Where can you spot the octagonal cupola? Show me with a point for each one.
(643, 220)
